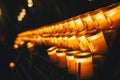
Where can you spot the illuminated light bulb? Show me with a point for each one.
(11, 64)
(84, 65)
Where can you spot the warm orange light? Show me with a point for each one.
(16, 46)
(112, 12)
(21, 15)
(70, 61)
(29, 45)
(61, 56)
(21, 42)
(83, 43)
(11, 64)
(84, 65)
(30, 3)
(97, 43)
(52, 53)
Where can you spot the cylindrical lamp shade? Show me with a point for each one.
(52, 53)
(84, 65)
(70, 61)
(112, 13)
(61, 57)
(83, 43)
(97, 43)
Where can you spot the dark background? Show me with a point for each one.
(42, 13)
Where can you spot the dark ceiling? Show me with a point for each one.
(42, 13)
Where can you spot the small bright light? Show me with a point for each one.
(11, 64)
(30, 1)
(19, 18)
(24, 10)
(30, 4)
(16, 46)
(21, 42)
(21, 15)
(29, 45)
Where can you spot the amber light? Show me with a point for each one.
(84, 24)
(61, 57)
(97, 43)
(70, 61)
(11, 64)
(84, 65)
(52, 53)
(16, 46)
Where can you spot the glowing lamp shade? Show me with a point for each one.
(70, 61)
(83, 43)
(84, 65)
(97, 43)
(52, 53)
(100, 19)
(112, 12)
(61, 56)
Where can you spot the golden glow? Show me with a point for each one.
(99, 16)
(30, 45)
(11, 64)
(52, 53)
(21, 15)
(97, 43)
(60, 33)
(21, 42)
(16, 46)
(61, 56)
(30, 3)
(84, 59)
(83, 43)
